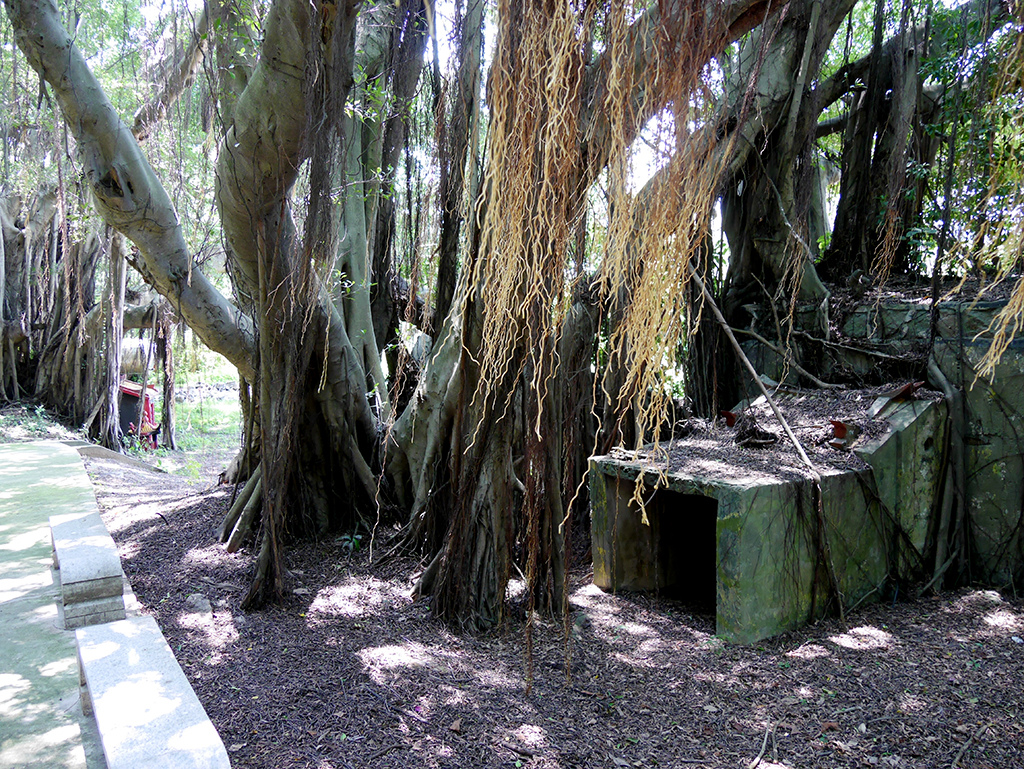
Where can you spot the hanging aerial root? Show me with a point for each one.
(254, 598)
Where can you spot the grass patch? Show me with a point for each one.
(208, 424)
(26, 422)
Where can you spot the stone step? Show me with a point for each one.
(146, 711)
(92, 612)
(91, 579)
(86, 556)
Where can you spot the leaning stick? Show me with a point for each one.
(228, 524)
(789, 360)
(813, 472)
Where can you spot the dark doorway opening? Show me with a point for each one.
(687, 548)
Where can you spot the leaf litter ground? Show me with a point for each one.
(348, 672)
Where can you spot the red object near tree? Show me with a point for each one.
(131, 394)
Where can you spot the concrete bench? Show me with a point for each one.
(91, 579)
(146, 712)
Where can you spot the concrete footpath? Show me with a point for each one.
(41, 719)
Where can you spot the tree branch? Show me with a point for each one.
(174, 76)
(126, 191)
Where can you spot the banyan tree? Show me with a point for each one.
(556, 286)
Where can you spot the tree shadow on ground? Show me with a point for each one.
(349, 672)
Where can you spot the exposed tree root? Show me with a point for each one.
(235, 511)
(245, 520)
(953, 511)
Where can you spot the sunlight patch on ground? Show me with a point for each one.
(11, 685)
(911, 703)
(634, 660)
(496, 679)
(132, 512)
(593, 597)
(711, 677)
(808, 651)
(445, 751)
(638, 645)
(864, 638)
(24, 541)
(602, 610)
(651, 646)
(128, 549)
(60, 666)
(388, 663)
(206, 556)
(219, 629)
(530, 736)
(379, 660)
(1003, 619)
(635, 628)
(451, 695)
(975, 600)
(16, 587)
(354, 598)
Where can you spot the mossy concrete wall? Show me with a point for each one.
(906, 465)
(880, 523)
(769, 563)
(994, 417)
(772, 573)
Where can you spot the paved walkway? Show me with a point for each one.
(41, 719)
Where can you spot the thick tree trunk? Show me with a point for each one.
(165, 348)
(175, 75)
(469, 575)
(470, 452)
(884, 133)
(765, 203)
(108, 431)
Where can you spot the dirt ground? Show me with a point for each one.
(349, 672)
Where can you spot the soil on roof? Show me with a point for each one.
(713, 450)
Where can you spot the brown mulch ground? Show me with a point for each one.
(348, 672)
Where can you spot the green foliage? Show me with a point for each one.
(350, 542)
(24, 422)
(196, 363)
(207, 424)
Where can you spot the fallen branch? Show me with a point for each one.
(245, 520)
(237, 506)
(849, 347)
(764, 746)
(966, 745)
(382, 752)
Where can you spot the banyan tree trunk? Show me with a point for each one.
(70, 377)
(108, 430)
(165, 352)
